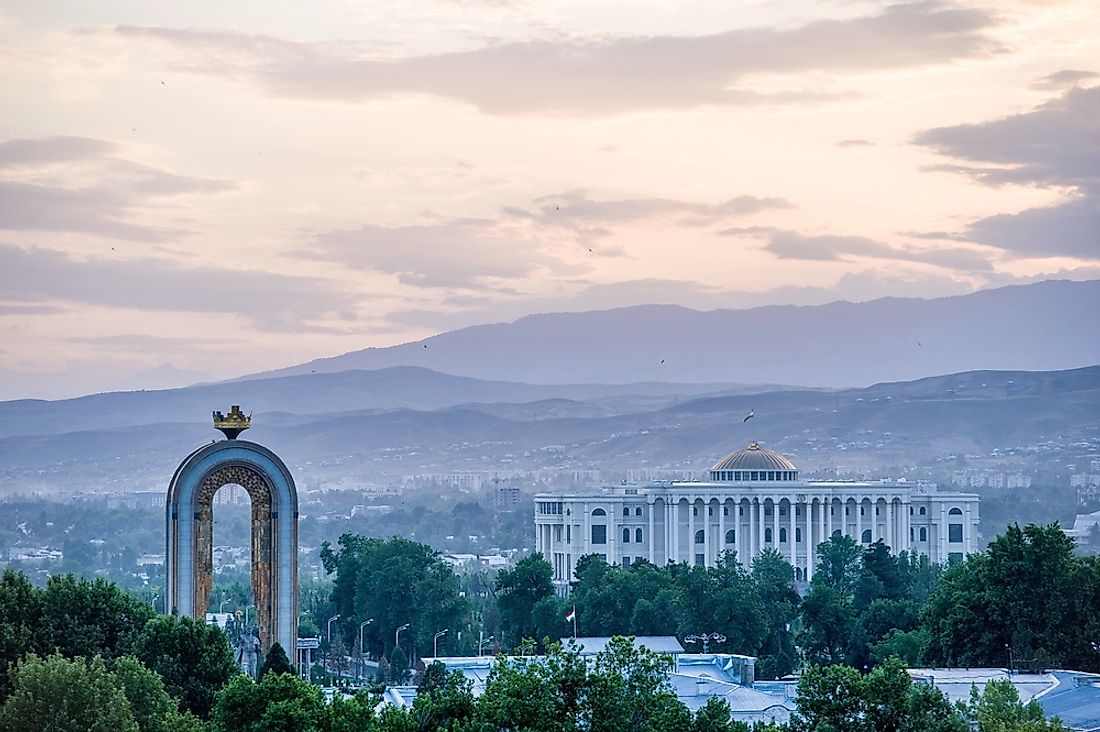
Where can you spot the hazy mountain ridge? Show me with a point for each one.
(1043, 326)
(322, 393)
(885, 424)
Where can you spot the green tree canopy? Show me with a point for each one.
(276, 661)
(60, 695)
(193, 659)
(393, 582)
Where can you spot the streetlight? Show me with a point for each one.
(330, 621)
(705, 639)
(362, 625)
(1009, 658)
(221, 608)
(481, 642)
(435, 642)
(397, 634)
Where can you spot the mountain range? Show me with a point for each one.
(134, 440)
(1043, 326)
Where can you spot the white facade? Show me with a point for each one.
(748, 510)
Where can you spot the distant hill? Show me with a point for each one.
(323, 393)
(887, 424)
(1043, 326)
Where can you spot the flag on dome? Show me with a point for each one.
(751, 414)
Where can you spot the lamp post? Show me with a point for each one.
(397, 634)
(705, 639)
(221, 608)
(481, 642)
(362, 625)
(435, 642)
(1009, 647)
(330, 622)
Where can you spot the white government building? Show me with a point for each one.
(754, 500)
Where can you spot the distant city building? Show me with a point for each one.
(753, 500)
(505, 497)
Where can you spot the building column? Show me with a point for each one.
(586, 540)
(650, 537)
(756, 519)
(613, 557)
(943, 533)
(691, 532)
(891, 529)
(721, 527)
(859, 522)
(792, 531)
(775, 524)
(809, 537)
(828, 519)
(676, 530)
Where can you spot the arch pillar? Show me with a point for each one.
(189, 535)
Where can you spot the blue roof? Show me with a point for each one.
(1074, 700)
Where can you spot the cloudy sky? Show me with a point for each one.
(230, 187)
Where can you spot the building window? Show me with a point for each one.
(626, 562)
(599, 534)
(731, 536)
(755, 475)
(923, 534)
(569, 534)
(922, 511)
(626, 510)
(797, 510)
(866, 536)
(725, 510)
(638, 511)
(710, 510)
(771, 475)
(797, 535)
(955, 512)
(782, 510)
(910, 510)
(767, 509)
(737, 475)
(955, 533)
(954, 557)
(638, 536)
(767, 536)
(700, 536)
(876, 510)
(847, 510)
(911, 536)
(837, 532)
(861, 512)
(599, 512)
(699, 560)
(740, 510)
(694, 510)
(782, 536)
(626, 536)
(557, 533)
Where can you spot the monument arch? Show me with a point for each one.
(274, 530)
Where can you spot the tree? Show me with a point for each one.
(149, 702)
(393, 582)
(192, 657)
(82, 617)
(443, 699)
(774, 579)
(839, 699)
(280, 702)
(628, 689)
(60, 695)
(714, 716)
(519, 591)
(828, 622)
(20, 615)
(998, 709)
(276, 661)
(532, 695)
(839, 564)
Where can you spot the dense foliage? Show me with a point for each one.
(392, 583)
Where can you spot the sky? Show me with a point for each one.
(224, 188)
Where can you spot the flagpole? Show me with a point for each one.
(574, 622)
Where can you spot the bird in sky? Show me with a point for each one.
(425, 345)
(662, 360)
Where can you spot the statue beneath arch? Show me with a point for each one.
(190, 530)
